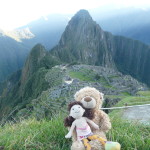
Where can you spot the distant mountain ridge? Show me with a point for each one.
(16, 44)
(129, 22)
(12, 56)
(46, 30)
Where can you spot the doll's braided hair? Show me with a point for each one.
(88, 113)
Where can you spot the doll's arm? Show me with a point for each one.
(94, 125)
(70, 131)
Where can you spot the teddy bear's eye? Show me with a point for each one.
(72, 108)
(79, 107)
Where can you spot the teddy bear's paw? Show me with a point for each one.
(96, 145)
(96, 127)
(78, 145)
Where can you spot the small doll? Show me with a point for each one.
(80, 119)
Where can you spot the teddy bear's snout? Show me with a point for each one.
(87, 99)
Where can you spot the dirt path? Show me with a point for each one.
(141, 114)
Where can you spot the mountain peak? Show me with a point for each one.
(83, 41)
(33, 61)
(83, 13)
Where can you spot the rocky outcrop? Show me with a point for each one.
(84, 41)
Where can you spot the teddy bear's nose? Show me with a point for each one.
(87, 99)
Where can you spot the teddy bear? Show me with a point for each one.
(80, 121)
(92, 99)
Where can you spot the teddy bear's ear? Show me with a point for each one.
(101, 96)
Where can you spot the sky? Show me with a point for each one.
(16, 13)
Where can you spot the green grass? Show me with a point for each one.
(131, 136)
(127, 101)
(49, 134)
(143, 97)
(126, 93)
(80, 76)
(143, 93)
(35, 135)
(115, 96)
(90, 76)
(133, 100)
(83, 74)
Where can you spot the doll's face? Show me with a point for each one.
(77, 111)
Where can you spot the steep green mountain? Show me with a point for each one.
(29, 83)
(84, 41)
(132, 57)
(32, 63)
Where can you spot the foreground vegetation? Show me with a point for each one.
(35, 135)
(131, 136)
(48, 134)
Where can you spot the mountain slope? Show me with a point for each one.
(46, 30)
(85, 42)
(129, 22)
(16, 44)
(29, 83)
(33, 62)
(12, 56)
(49, 90)
(132, 57)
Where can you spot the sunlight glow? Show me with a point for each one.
(15, 13)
